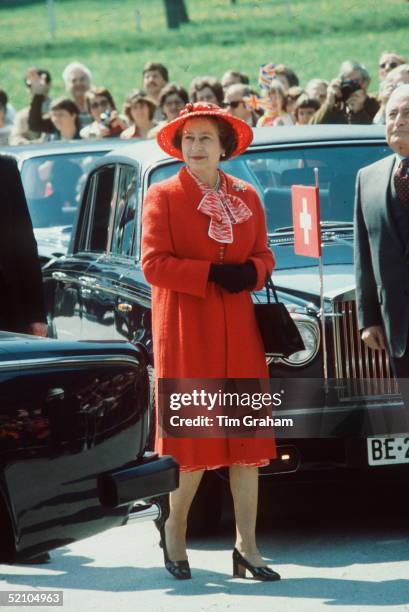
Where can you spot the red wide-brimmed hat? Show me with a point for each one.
(166, 135)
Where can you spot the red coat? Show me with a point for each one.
(199, 329)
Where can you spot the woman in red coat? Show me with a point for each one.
(204, 248)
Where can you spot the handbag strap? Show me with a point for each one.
(269, 285)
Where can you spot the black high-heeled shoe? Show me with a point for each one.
(262, 572)
(178, 569)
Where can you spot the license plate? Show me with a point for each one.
(388, 451)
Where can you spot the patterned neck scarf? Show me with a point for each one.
(223, 208)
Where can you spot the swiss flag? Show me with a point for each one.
(306, 220)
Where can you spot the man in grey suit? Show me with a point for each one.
(382, 243)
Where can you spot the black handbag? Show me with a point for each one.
(279, 332)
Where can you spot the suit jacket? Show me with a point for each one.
(22, 300)
(381, 261)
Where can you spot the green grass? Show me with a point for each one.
(311, 36)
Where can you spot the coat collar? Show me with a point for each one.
(234, 185)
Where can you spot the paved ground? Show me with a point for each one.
(348, 553)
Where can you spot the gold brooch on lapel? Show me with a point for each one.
(239, 187)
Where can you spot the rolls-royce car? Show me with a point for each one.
(53, 175)
(348, 415)
(74, 420)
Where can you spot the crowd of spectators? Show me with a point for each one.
(89, 111)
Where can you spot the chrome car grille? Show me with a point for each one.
(368, 370)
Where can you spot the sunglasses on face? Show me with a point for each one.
(388, 65)
(100, 104)
(234, 104)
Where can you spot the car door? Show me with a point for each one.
(69, 412)
(101, 285)
(94, 236)
(65, 277)
(132, 294)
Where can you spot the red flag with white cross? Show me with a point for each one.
(306, 220)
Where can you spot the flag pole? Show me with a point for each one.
(321, 273)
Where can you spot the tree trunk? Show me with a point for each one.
(176, 13)
(184, 17)
(172, 14)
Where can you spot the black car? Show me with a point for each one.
(98, 290)
(53, 176)
(74, 420)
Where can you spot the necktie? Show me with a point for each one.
(401, 181)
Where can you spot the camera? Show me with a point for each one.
(348, 87)
(105, 119)
(110, 120)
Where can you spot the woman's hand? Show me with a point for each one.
(234, 277)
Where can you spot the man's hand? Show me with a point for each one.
(117, 121)
(334, 94)
(37, 329)
(374, 337)
(356, 101)
(104, 131)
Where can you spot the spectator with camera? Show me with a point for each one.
(107, 123)
(21, 133)
(347, 99)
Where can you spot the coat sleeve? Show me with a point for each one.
(160, 265)
(36, 122)
(368, 309)
(261, 255)
(329, 114)
(27, 260)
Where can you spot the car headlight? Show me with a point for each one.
(310, 333)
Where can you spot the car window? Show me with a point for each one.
(273, 172)
(124, 225)
(239, 168)
(97, 211)
(337, 167)
(53, 185)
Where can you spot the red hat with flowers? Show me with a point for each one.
(166, 135)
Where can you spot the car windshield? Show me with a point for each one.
(53, 185)
(274, 172)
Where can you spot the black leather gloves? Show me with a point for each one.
(234, 277)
